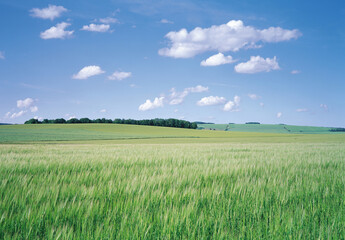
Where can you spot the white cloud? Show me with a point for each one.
(279, 114)
(231, 36)
(262, 104)
(34, 109)
(324, 106)
(253, 96)
(295, 72)
(2, 55)
(103, 110)
(38, 118)
(216, 60)
(18, 114)
(108, 20)
(25, 103)
(166, 21)
(51, 12)
(211, 100)
(96, 27)
(132, 85)
(232, 105)
(148, 105)
(87, 72)
(178, 97)
(257, 64)
(302, 110)
(57, 31)
(119, 75)
(197, 89)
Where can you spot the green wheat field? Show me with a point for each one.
(109, 181)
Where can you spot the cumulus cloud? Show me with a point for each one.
(211, 100)
(216, 60)
(26, 103)
(231, 36)
(253, 96)
(148, 105)
(103, 110)
(119, 75)
(57, 31)
(51, 12)
(18, 114)
(2, 55)
(166, 21)
(38, 118)
(232, 106)
(324, 106)
(295, 72)
(96, 27)
(279, 114)
(108, 20)
(301, 110)
(178, 97)
(257, 64)
(87, 72)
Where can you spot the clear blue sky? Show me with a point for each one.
(214, 61)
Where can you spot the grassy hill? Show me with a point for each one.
(148, 134)
(265, 128)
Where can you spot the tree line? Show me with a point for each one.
(171, 122)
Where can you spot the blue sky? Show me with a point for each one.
(214, 61)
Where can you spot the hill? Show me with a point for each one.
(265, 128)
(122, 133)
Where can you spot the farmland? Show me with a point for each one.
(266, 128)
(104, 181)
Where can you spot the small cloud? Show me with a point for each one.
(51, 12)
(2, 55)
(261, 104)
(87, 72)
(103, 110)
(295, 72)
(26, 103)
(178, 97)
(38, 118)
(279, 114)
(301, 110)
(176, 110)
(232, 106)
(216, 60)
(58, 31)
(148, 105)
(211, 100)
(253, 96)
(324, 106)
(166, 21)
(108, 20)
(34, 109)
(257, 64)
(133, 85)
(119, 76)
(197, 89)
(96, 27)
(18, 114)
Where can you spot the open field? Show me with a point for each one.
(129, 182)
(266, 128)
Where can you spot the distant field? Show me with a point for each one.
(134, 133)
(105, 181)
(265, 128)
